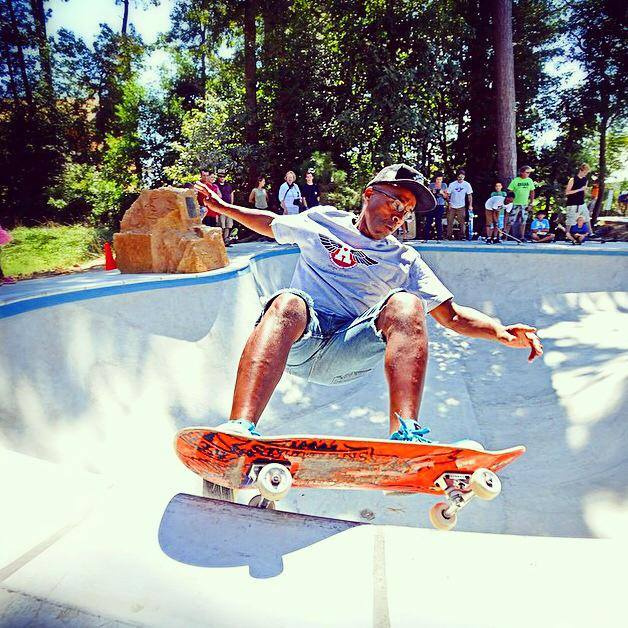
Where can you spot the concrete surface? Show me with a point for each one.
(98, 371)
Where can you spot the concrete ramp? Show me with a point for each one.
(98, 371)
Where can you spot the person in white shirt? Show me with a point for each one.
(457, 192)
(290, 194)
(494, 207)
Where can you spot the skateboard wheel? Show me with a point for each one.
(260, 502)
(216, 491)
(485, 484)
(438, 518)
(274, 481)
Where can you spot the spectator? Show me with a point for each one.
(5, 238)
(259, 196)
(577, 234)
(595, 191)
(457, 192)
(540, 228)
(226, 192)
(208, 216)
(576, 187)
(523, 187)
(439, 190)
(495, 205)
(311, 193)
(290, 194)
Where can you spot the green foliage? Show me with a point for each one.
(37, 249)
(344, 86)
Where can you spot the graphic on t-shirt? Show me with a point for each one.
(343, 256)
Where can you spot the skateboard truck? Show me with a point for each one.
(460, 489)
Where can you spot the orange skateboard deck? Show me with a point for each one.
(237, 462)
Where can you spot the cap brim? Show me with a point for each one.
(425, 201)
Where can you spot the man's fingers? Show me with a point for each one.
(520, 326)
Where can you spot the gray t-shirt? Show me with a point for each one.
(347, 273)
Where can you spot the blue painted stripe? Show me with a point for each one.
(34, 303)
(525, 249)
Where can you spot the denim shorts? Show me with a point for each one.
(334, 350)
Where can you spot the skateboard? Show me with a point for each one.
(273, 465)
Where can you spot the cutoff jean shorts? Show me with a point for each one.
(334, 350)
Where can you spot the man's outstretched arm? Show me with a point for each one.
(256, 219)
(469, 322)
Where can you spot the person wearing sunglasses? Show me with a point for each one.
(358, 298)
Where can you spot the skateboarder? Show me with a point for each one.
(358, 296)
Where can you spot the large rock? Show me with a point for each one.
(162, 233)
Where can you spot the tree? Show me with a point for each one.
(504, 90)
(599, 45)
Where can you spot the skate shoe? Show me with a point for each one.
(242, 427)
(411, 431)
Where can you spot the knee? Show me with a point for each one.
(289, 309)
(403, 312)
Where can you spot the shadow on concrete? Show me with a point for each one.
(211, 533)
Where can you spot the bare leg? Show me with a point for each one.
(403, 325)
(265, 354)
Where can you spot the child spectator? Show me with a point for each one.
(540, 228)
(439, 190)
(5, 238)
(495, 205)
(578, 233)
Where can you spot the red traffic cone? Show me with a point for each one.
(110, 263)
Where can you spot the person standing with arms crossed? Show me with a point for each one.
(523, 187)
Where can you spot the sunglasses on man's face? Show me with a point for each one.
(399, 206)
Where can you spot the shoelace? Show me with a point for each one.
(416, 433)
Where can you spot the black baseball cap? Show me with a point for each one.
(407, 177)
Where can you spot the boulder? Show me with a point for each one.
(162, 233)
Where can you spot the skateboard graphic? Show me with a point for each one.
(228, 462)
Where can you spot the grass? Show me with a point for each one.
(48, 248)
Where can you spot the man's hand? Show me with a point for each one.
(210, 199)
(521, 336)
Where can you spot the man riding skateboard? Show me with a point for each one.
(358, 296)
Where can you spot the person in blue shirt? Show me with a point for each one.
(578, 233)
(358, 298)
(540, 228)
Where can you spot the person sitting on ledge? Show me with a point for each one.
(540, 228)
(579, 232)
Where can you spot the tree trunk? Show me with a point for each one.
(504, 89)
(250, 86)
(125, 17)
(39, 16)
(20, 55)
(203, 60)
(602, 173)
